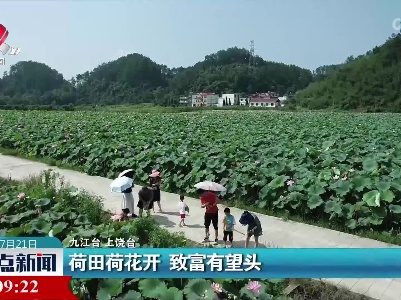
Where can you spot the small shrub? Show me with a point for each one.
(147, 231)
(91, 206)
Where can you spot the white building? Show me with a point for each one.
(230, 99)
(243, 101)
(204, 99)
(264, 102)
(283, 100)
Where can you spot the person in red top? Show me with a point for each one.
(209, 201)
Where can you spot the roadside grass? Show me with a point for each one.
(370, 234)
(50, 185)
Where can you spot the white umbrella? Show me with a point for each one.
(121, 184)
(210, 186)
(127, 173)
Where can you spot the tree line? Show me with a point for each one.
(367, 83)
(136, 79)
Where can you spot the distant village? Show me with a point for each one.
(268, 100)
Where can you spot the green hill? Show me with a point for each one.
(370, 82)
(135, 79)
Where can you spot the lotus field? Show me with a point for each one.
(342, 167)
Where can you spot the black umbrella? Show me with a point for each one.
(130, 173)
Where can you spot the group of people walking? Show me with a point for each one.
(149, 195)
(209, 201)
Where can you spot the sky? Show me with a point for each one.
(76, 36)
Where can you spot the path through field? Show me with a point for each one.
(276, 232)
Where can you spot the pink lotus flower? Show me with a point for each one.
(21, 196)
(254, 287)
(290, 182)
(216, 287)
(116, 217)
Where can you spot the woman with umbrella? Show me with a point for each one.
(155, 182)
(128, 201)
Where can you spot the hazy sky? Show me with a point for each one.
(76, 36)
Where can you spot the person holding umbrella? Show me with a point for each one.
(209, 202)
(128, 201)
(209, 199)
(155, 182)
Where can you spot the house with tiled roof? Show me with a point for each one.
(264, 100)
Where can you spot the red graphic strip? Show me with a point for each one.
(4, 37)
(36, 288)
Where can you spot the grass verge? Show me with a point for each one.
(370, 234)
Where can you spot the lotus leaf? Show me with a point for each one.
(40, 226)
(151, 287)
(132, 295)
(14, 232)
(42, 202)
(372, 198)
(199, 289)
(395, 208)
(314, 201)
(58, 228)
(82, 220)
(109, 288)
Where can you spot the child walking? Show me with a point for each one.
(228, 227)
(183, 209)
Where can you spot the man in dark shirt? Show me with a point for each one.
(209, 201)
(254, 227)
(145, 200)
